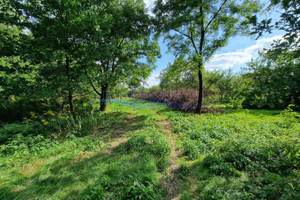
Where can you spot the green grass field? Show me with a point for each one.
(142, 150)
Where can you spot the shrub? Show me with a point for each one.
(183, 99)
(9, 131)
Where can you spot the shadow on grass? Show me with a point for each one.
(196, 182)
(115, 173)
(116, 124)
(119, 173)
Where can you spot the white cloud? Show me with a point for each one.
(239, 57)
(230, 59)
(153, 80)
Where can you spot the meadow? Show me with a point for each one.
(143, 150)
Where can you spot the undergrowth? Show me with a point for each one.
(67, 158)
(239, 154)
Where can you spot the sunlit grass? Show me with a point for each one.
(236, 154)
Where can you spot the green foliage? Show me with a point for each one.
(11, 130)
(133, 187)
(219, 167)
(197, 29)
(186, 196)
(288, 22)
(70, 156)
(57, 51)
(183, 172)
(240, 154)
(275, 81)
(152, 143)
(178, 75)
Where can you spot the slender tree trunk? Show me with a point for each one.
(103, 97)
(200, 64)
(200, 95)
(70, 95)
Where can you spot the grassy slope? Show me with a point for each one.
(236, 155)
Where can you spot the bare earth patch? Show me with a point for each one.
(172, 179)
(31, 168)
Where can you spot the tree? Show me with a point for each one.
(196, 29)
(289, 22)
(17, 74)
(57, 29)
(178, 75)
(276, 71)
(123, 51)
(274, 81)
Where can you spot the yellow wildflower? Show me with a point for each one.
(26, 119)
(61, 117)
(45, 122)
(32, 114)
(13, 99)
(50, 112)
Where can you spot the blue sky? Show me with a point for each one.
(239, 51)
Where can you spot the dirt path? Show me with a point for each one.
(121, 136)
(171, 178)
(116, 143)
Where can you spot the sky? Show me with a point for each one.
(239, 51)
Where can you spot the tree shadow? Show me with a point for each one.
(197, 182)
(112, 172)
(68, 178)
(116, 124)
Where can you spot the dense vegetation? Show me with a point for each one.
(123, 154)
(74, 123)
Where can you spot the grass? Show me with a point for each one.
(125, 154)
(239, 154)
(82, 168)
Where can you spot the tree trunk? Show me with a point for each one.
(200, 95)
(70, 95)
(103, 97)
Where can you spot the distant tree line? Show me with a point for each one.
(272, 81)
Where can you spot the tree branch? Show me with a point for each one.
(215, 15)
(91, 83)
(190, 37)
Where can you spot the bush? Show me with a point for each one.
(9, 131)
(28, 145)
(183, 99)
